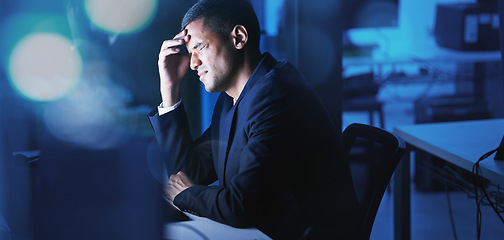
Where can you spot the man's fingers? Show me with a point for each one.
(175, 180)
(181, 34)
(177, 41)
(173, 184)
(167, 44)
(180, 180)
(168, 51)
(187, 181)
(181, 60)
(177, 185)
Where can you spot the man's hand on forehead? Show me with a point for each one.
(182, 38)
(172, 67)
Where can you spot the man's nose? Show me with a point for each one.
(195, 61)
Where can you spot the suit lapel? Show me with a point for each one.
(227, 119)
(227, 126)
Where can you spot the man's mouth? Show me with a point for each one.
(202, 73)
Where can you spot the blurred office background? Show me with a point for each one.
(77, 78)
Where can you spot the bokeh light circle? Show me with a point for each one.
(44, 66)
(120, 16)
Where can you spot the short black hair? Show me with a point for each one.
(220, 17)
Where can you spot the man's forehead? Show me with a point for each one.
(195, 28)
(198, 34)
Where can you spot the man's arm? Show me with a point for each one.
(180, 151)
(170, 124)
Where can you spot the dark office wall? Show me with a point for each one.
(501, 25)
(499, 93)
(312, 38)
(313, 56)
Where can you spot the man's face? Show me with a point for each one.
(211, 57)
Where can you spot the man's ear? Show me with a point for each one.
(240, 36)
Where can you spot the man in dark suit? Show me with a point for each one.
(271, 144)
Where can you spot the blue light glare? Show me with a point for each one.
(92, 112)
(120, 16)
(44, 66)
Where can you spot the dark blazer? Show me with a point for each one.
(275, 153)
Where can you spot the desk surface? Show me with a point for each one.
(200, 228)
(461, 143)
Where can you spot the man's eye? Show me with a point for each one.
(201, 47)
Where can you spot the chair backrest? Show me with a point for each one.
(373, 155)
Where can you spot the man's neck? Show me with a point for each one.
(249, 66)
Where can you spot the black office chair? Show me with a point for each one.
(373, 155)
